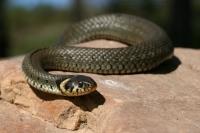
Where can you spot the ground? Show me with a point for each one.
(165, 99)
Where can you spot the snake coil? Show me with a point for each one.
(148, 46)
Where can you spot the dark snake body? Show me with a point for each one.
(148, 46)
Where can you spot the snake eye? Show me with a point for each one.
(80, 84)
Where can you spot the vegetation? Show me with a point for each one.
(41, 26)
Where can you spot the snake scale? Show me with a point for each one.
(147, 47)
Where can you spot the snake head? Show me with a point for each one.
(78, 85)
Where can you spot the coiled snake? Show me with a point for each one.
(148, 46)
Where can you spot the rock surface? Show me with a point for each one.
(166, 99)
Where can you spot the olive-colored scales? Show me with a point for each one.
(148, 46)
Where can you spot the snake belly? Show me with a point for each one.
(147, 47)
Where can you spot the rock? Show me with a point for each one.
(165, 99)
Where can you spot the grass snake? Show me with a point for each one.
(147, 47)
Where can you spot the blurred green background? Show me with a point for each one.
(26, 25)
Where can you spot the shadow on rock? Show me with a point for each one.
(86, 102)
(167, 66)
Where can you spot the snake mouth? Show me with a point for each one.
(77, 86)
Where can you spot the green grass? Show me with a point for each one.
(26, 40)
